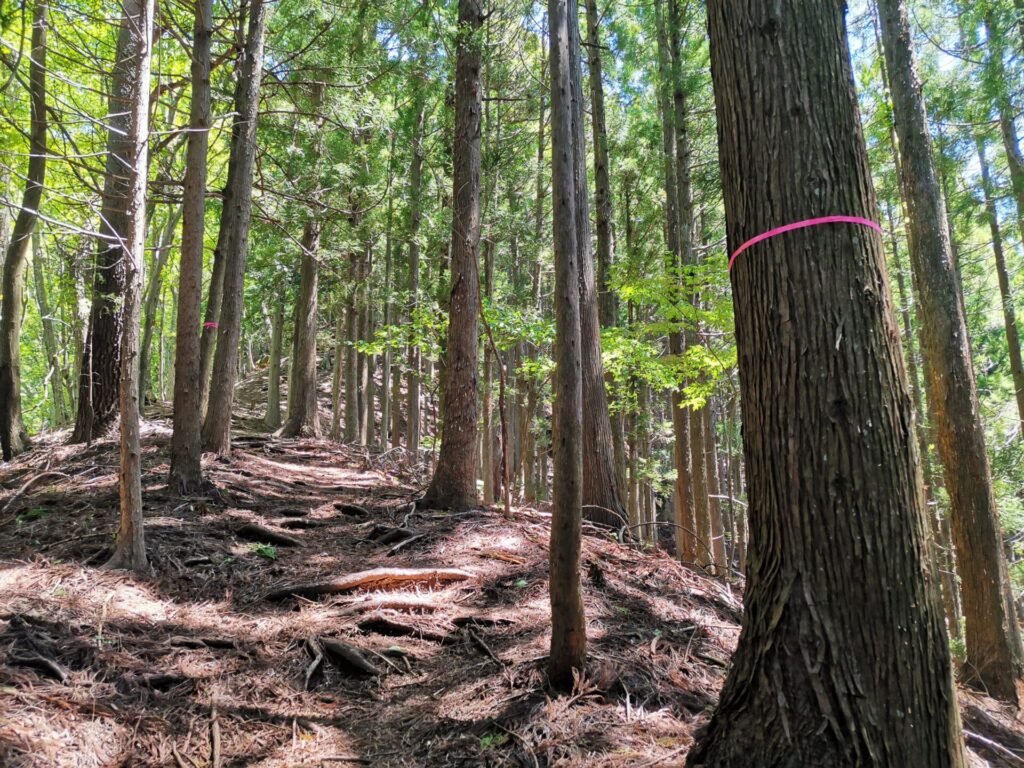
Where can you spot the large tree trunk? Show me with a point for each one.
(135, 52)
(13, 438)
(568, 623)
(454, 483)
(993, 641)
(185, 473)
(838, 525)
(216, 435)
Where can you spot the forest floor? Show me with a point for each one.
(201, 664)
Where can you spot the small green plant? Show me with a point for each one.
(32, 514)
(522, 584)
(267, 551)
(492, 740)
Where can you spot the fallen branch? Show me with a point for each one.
(347, 657)
(383, 625)
(479, 643)
(258, 533)
(378, 578)
(214, 737)
(28, 484)
(318, 658)
(979, 743)
(402, 544)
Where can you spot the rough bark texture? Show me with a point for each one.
(216, 435)
(303, 413)
(185, 473)
(992, 639)
(13, 438)
(136, 57)
(838, 529)
(454, 483)
(568, 623)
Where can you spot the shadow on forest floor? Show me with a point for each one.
(106, 669)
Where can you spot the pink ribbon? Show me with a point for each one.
(803, 225)
(209, 325)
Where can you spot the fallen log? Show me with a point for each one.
(347, 657)
(377, 578)
(257, 533)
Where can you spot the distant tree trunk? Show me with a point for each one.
(602, 496)
(1005, 289)
(303, 412)
(216, 435)
(152, 298)
(273, 418)
(338, 377)
(838, 525)
(53, 371)
(993, 642)
(568, 623)
(367, 385)
(686, 525)
(185, 473)
(13, 438)
(352, 317)
(412, 381)
(135, 52)
(385, 368)
(717, 538)
(454, 482)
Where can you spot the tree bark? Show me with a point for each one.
(454, 482)
(993, 642)
(838, 525)
(216, 434)
(13, 438)
(186, 473)
(568, 623)
(135, 51)
(303, 411)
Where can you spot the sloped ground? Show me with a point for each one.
(198, 666)
(104, 669)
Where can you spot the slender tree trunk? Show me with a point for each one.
(686, 527)
(303, 411)
(13, 438)
(216, 435)
(352, 317)
(186, 474)
(385, 363)
(717, 538)
(1005, 289)
(47, 320)
(135, 55)
(273, 418)
(568, 623)
(454, 482)
(602, 496)
(412, 380)
(152, 298)
(838, 525)
(366, 362)
(993, 641)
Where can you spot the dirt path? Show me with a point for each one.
(101, 669)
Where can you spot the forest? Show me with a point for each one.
(504, 383)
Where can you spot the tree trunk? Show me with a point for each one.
(216, 435)
(352, 317)
(53, 371)
(186, 473)
(152, 298)
(838, 525)
(13, 438)
(273, 418)
(602, 497)
(717, 538)
(303, 412)
(993, 641)
(454, 483)
(1005, 289)
(135, 53)
(412, 381)
(568, 623)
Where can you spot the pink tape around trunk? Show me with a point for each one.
(803, 225)
(210, 325)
